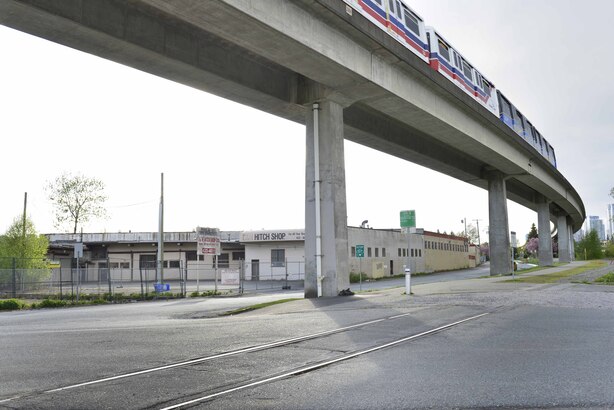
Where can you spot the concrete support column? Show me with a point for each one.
(544, 253)
(498, 236)
(562, 228)
(333, 209)
(572, 244)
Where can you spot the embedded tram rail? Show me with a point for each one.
(253, 366)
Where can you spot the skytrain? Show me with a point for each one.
(408, 28)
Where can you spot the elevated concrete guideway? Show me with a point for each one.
(282, 56)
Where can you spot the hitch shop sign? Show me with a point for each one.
(273, 236)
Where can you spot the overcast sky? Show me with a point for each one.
(236, 168)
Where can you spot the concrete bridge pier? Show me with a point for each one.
(564, 239)
(498, 236)
(544, 253)
(326, 242)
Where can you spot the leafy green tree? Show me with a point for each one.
(533, 232)
(589, 247)
(76, 199)
(29, 252)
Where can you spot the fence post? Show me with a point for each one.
(109, 279)
(61, 296)
(14, 278)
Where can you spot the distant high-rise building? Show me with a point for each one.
(594, 223)
(610, 221)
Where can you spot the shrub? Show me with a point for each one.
(355, 277)
(11, 304)
(51, 303)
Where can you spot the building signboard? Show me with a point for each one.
(230, 277)
(273, 236)
(208, 241)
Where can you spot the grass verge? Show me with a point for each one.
(255, 307)
(555, 277)
(608, 279)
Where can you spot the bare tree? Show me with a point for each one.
(76, 199)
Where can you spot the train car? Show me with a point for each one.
(452, 65)
(408, 28)
(395, 17)
(449, 63)
(514, 119)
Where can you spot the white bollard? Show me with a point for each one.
(408, 281)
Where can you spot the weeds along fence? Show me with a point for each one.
(27, 278)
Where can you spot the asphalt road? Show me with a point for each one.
(530, 346)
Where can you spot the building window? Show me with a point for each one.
(278, 257)
(147, 262)
(377, 252)
(238, 256)
(404, 252)
(222, 260)
(353, 251)
(171, 264)
(124, 265)
(383, 252)
(114, 265)
(369, 252)
(419, 253)
(412, 252)
(399, 252)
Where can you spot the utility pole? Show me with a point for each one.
(23, 227)
(161, 231)
(477, 221)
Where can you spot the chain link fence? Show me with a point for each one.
(109, 279)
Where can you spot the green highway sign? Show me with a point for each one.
(360, 251)
(408, 219)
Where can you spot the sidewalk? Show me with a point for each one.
(494, 284)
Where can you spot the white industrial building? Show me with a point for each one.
(256, 255)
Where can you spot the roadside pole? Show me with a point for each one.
(360, 253)
(408, 221)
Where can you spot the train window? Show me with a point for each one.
(379, 2)
(486, 86)
(411, 21)
(391, 6)
(538, 141)
(506, 108)
(457, 60)
(467, 71)
(530, 132)
(444, 51)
